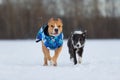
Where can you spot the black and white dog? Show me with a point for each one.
(75, 45)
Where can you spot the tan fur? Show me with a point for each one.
(47, 57)
(51, 24)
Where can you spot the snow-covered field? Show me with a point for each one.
(23, 60)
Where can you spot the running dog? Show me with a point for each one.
(51, 36)
(75, 45)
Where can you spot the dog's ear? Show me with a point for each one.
(50, 19)
(84, 33)
(59, 19)
(71, 35)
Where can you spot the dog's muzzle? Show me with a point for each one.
(56, 30)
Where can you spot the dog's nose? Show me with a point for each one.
(78, 45)
(56, 30)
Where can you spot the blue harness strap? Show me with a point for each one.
(51, 42)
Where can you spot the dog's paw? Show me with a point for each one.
(52, 63)
(45, 64)
(71, 59)
(79, 60)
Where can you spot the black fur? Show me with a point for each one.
(73, 47)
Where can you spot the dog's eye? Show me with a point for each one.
(52, 26)
(83, 35)
(59, 26)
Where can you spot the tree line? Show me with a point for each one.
(22, 20)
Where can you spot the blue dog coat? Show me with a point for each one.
(51, 42)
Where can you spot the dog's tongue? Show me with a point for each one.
(55, 33)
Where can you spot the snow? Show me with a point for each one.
(23, 60)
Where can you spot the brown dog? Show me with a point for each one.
(52, 39)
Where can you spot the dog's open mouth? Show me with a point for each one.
(55, 31)
(55, 34)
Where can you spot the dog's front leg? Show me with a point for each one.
(74, 55)
(80, 55)
(55, 57)
(46, 55)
